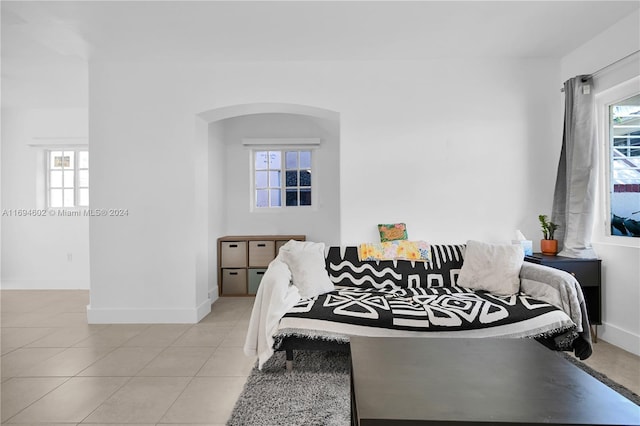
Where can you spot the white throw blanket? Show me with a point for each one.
(274, 298)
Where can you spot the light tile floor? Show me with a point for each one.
(58, 369)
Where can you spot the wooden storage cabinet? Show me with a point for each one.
(243, 260)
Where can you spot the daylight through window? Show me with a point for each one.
(67, 178)
(282, 178)
(624, 127)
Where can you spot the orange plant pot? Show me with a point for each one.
(549, 247)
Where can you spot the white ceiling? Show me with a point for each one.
(48, 43)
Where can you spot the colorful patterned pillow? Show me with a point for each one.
(392, 232)
(418, 251)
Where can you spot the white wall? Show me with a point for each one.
(217, 212)
(457, 149)
(202, 267)
(40, 252)
(143, 266)
(620, 256)
(325, 216)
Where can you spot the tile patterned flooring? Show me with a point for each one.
(58, 369)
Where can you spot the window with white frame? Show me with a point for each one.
(624, 166)
(67, 177)
(282, 177)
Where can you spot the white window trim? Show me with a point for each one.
(56, 143)
(283, 147)
(42, 145)
(76, 178)
(289, 143)
(603, 99)
(43, 175)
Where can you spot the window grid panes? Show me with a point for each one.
(624, 148)
(67, 178)
(298, 178)
(282, 178)
(268, 178)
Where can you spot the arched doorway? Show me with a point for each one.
(223, 184)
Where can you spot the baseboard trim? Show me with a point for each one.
(147, 316)
(619, 337)
(45, 285)
(204, 309)
(213, 294)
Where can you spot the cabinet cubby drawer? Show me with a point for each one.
(233, 254)
(234, 281)
(261, 253)
(255, 276)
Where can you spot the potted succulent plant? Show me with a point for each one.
(548, 245)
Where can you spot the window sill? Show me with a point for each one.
(280, 210)
(628, 242)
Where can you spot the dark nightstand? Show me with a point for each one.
(588, 274)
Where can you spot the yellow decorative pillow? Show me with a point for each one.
(418, 251)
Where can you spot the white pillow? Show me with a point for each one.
(492, 267)
(307, 264)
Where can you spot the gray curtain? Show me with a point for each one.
(573, 200)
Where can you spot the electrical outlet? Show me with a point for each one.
(69, 257)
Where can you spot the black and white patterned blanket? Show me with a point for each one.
(422, 299)
(436, 309)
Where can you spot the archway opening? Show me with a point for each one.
(224, 184)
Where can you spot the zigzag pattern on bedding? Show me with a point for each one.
(345, 269)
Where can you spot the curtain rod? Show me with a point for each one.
(593, 74)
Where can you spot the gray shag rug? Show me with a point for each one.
(317, 391)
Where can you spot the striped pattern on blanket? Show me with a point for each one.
(431, 309)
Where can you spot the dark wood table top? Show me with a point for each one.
(411, 381)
